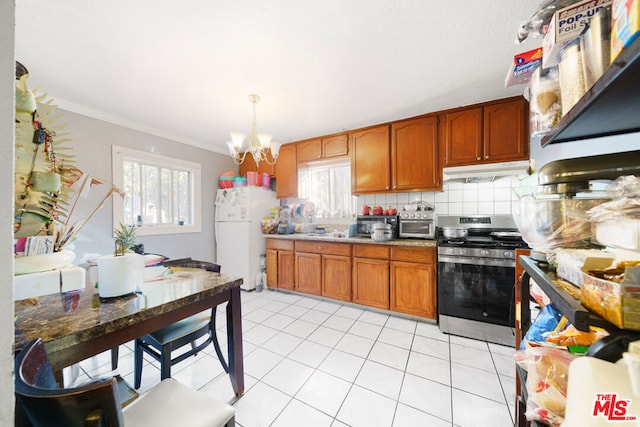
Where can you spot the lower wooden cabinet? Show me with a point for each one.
(308, 273)
(413, 281)
(280, 264)
(370, 280)
(336, 277)
(390, 277)
(324, 268)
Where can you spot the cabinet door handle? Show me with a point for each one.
(478, 158)
(486, 157)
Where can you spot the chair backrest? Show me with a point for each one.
(46, 404)
(192, 263)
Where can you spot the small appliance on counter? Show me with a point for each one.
(364, 224)
(417, 221)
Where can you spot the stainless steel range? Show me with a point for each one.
(476, 277)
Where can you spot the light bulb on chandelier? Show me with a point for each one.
(259, 144)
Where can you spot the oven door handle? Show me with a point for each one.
(477, 261)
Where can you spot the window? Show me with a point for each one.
(328, 186)
(162, 193)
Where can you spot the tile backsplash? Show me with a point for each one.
(456, 198)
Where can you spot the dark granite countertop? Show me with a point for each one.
(62, 320)
(358, 240)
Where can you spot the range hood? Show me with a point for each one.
(486, 171)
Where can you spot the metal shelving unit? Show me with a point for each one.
(610, 107)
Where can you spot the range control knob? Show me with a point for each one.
(484, 252)
(508, 254)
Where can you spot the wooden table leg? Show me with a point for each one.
(234, 342)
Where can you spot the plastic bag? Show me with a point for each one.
(546, 322)
(536, 24)
(625, 203)
(547, 377)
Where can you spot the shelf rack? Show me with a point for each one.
(576, 313)
(610, 107)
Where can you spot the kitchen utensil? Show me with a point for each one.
(455, 233)
(381, 232)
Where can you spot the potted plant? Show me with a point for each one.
(125, 237)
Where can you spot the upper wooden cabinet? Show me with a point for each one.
(462, 137)
(414, 154)
(494, 132)
(287, 172)
(506, 131)
(322, 148)
(250, 165)
(370, 160)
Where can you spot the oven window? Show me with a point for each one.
(476, 292)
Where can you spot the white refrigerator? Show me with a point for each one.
(239, 240)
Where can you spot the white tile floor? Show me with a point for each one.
(315, 362)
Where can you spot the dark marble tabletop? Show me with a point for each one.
(62, 320)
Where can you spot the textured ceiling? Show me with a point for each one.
(184, 70)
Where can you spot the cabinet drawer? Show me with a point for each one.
(324, 247)
(282, 245)
(371, 251)
(412, 254)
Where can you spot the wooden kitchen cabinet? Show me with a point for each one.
(414, 154)
(308, 273)
(323, 268)
(322, 148)
(370, 160)
(336, 277)
(370, 280)
(286, 172)
(493, 132)
(462, 143)
(280, 264)
(506, 131)
(249, 165)
(413, 281)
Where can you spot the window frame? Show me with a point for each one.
(120, 154)
(327, 164)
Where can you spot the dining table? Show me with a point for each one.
(80, 324)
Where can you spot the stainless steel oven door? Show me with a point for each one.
(417, 228)
(479, 289)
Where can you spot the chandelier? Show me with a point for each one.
(259, 143)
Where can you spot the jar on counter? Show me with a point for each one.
(595, 46)
(571, 75)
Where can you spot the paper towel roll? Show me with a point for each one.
(119, 275)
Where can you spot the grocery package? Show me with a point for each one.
(523, 67)
(547, 320)
(569, 262)
(566, 25)
(546, 382)
(613, 293)
(625, 24)
(571, 337)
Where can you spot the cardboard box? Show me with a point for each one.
(619, 303)
(565, 25)
(625, 24)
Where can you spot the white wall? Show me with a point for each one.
(7, 73)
